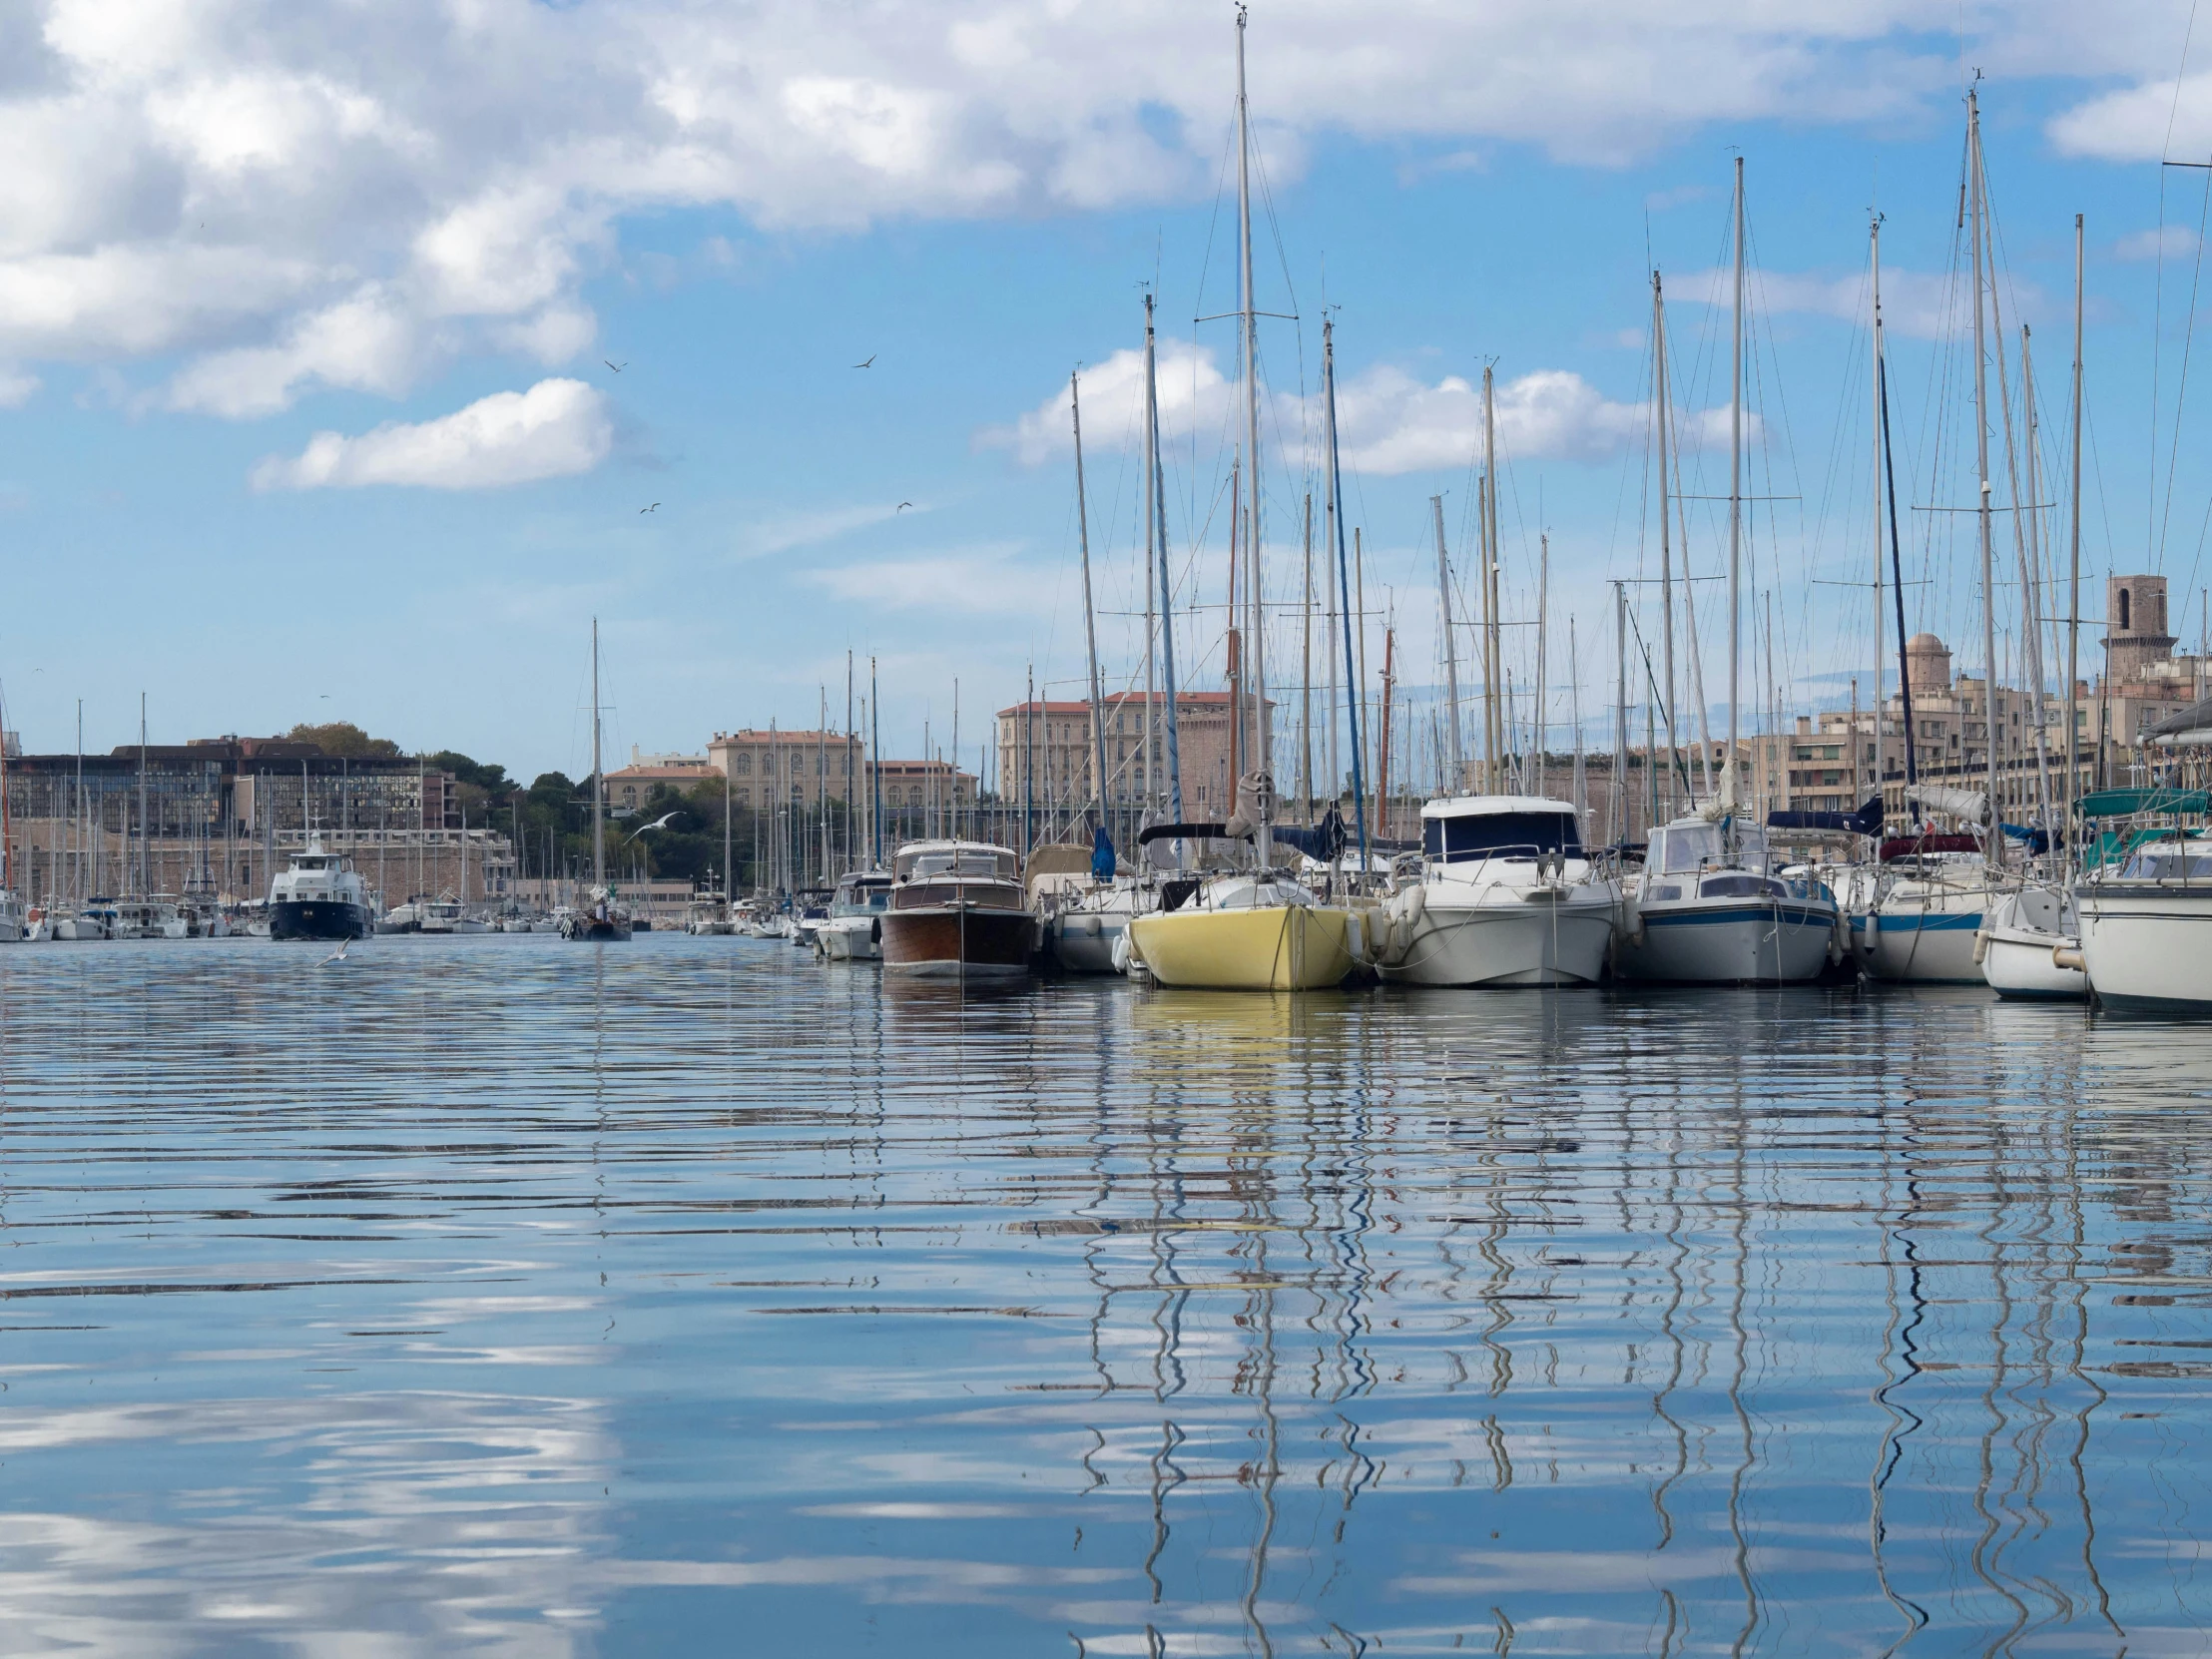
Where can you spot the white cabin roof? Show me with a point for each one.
(1493, 806)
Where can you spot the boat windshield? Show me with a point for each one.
(2168, 863)
(1682, 848)
(1499, 835)
(954, 863)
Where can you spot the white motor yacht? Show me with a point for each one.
(2031, 945)
(13, 923)
(854, 930)
(444, 914)
(1707, 909)
(321, 897)
(1507, 896)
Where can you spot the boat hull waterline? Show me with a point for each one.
(959, 941)
(1535, 941)
(1273, 948)
(2148, 947)
(1728, 942)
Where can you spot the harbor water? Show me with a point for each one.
(500, 1295)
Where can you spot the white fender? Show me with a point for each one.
(1356, 939)
(1981, 940)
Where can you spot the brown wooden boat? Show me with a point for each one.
(957, 909)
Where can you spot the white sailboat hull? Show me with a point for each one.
(2020, 943)
(1925, 945)
(2148, 946)
(1512, 940)
(1736, 942)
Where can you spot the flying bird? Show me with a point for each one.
(656, 507)
(338, 955)
(870, 364)
(617, 368)
(903, 506)
(660, 823)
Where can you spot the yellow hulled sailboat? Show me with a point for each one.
(1248, 935)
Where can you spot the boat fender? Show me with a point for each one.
(1980, 945)
(1121, 953)
(1632, 920)
(1356, 939)
(2061, 958)
(875, 928)
(1382, 934)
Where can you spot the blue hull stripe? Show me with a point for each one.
(1939, 921)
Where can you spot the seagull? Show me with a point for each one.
(654, 509)
(903, 506)
(338, 955)
(660, 823)
(617, 368)
(870, 364)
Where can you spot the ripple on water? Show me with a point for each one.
(497, 1294)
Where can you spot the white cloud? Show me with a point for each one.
(16, 387)
(555, 429)
(1915, 303)
(2175, 241)
(355, 196)
(1388, 422)
(1189, 385)
(981, 581)
(787, 532)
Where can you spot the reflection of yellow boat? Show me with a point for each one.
(1228, 947)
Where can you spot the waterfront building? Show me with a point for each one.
(1051, 742)
(223, 815)
(806, 769)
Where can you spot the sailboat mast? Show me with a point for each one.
(2073, 602)
(598, 782)
(1993, 842)
(1257, 648)
(1486, 513)
(1091, 618)
(1736, 475)
(1343, 588)
(1156, 492)
(1452, 655)
(875, 766)
(1666, 539)
(1874, 377)
(1620, 714)
(1543, 606)
(1151, 536)
(1306, 674)
(2031, 519)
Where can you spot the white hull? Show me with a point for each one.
(2020, 944)
(1511, 941)
(1920, 945)
(839, 944)
(1733, 941)
(1084, 941)
(2148, 945)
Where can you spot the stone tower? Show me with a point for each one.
(1928, 663)
(2135, 635)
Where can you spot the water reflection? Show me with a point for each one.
(503, 1293)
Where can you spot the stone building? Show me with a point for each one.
(223, 815)
(810, 768)
(1053, 740)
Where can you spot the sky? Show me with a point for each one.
(353, 358)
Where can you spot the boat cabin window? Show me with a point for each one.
(964, 862)
(1682, 848)
(2165, 862)
(1500, 836)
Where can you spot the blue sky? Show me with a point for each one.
(428, 232)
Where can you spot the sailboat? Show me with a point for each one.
(602, 918)
(1709, 906)
(1257, 929)
(2030, 940)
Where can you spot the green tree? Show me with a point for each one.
(342, 737)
